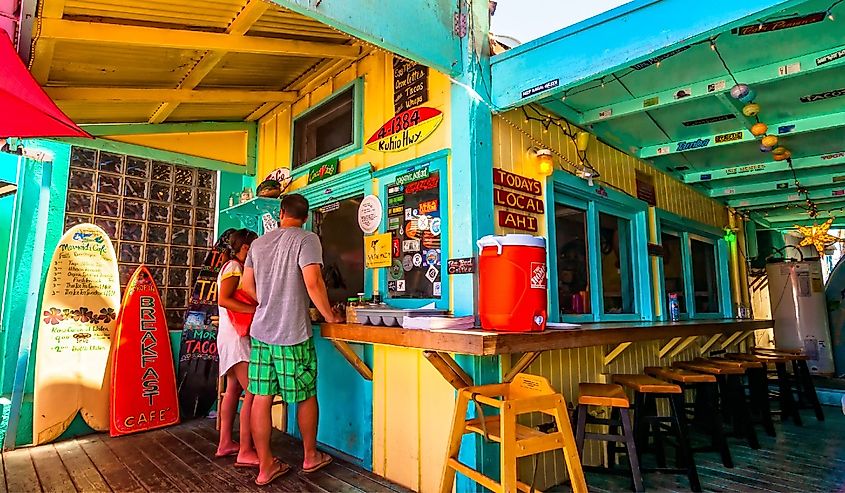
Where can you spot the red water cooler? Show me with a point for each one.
(512, 283)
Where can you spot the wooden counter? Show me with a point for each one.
(482, 343)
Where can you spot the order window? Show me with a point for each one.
(324, 129)
(617, 272)
(572, 260)
(343, 248)
(704, 279)
(673, 269)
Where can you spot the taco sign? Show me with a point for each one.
(406, 129)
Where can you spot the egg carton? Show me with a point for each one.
(393, 317)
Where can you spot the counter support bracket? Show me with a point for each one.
(735, 337)
(523, 363)
(689, 340)
(353, 359)
(668, 347)
(710, 342)
(616, 352)
(449, 368)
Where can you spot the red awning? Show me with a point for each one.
(27, 111)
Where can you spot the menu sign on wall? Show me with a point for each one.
(414, 218)
(513, 191)
(79, 311)
(645, 188)
(410, 84)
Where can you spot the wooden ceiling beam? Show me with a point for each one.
(150, 95)
(93, 32)
(246, 18)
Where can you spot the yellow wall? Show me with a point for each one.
(377, 71)
(412, 403)
(230, 146)
(512, 137)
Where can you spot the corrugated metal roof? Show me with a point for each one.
(69, 54)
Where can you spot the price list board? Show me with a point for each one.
(414, 220)
(79, 311)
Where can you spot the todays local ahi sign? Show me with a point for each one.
(406, 129)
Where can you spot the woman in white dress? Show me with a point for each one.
(234, 351)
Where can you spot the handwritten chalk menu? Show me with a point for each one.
(414, 220)
(410, 84)
(78, 317)
(198, 359)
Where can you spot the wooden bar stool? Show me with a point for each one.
(705, 406)
(806, 389)
(647, 422)
(758, 381)
(525, 394)
(612, 396)
(733, 404)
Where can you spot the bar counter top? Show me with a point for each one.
(484, 343)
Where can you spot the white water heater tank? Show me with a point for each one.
(799, 310)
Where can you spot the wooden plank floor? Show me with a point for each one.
(800, 459)
(179, 458)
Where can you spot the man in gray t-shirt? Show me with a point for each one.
(283, 271)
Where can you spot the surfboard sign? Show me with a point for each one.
(198, 360)
(406, 129)
(143, 379)
(79, 313)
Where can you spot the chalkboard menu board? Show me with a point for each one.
(414, 220)
(410, 84)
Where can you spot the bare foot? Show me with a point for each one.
(316, 461)
(247, 458)
(227, 449)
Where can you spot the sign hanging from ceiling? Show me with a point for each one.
(767, 27)
(709, 120)
(820, 96)
(406, 129)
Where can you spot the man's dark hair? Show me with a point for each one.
(295, 205)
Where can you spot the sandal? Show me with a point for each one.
(327, 459)
(283, 469)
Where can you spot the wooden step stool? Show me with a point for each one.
(525, 394)
(612, 396)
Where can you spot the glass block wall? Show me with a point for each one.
(157, 213)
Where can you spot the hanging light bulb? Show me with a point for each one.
(602, 81)
(830, 15)
(545, 162)
(713, 45)
(658, 64)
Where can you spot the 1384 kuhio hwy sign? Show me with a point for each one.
(406, 129)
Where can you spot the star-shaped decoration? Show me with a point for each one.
(817, 236)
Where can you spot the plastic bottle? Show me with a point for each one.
(351, 314)
(674, 307)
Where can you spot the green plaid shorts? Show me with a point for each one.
(287, 371)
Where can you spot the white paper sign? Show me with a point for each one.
(270, 222)
(369, 214)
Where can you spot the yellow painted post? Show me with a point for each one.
(734, 262)
(655, 282)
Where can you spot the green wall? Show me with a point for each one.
(18, 215)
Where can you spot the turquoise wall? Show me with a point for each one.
(21, 245)
(18, 214)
